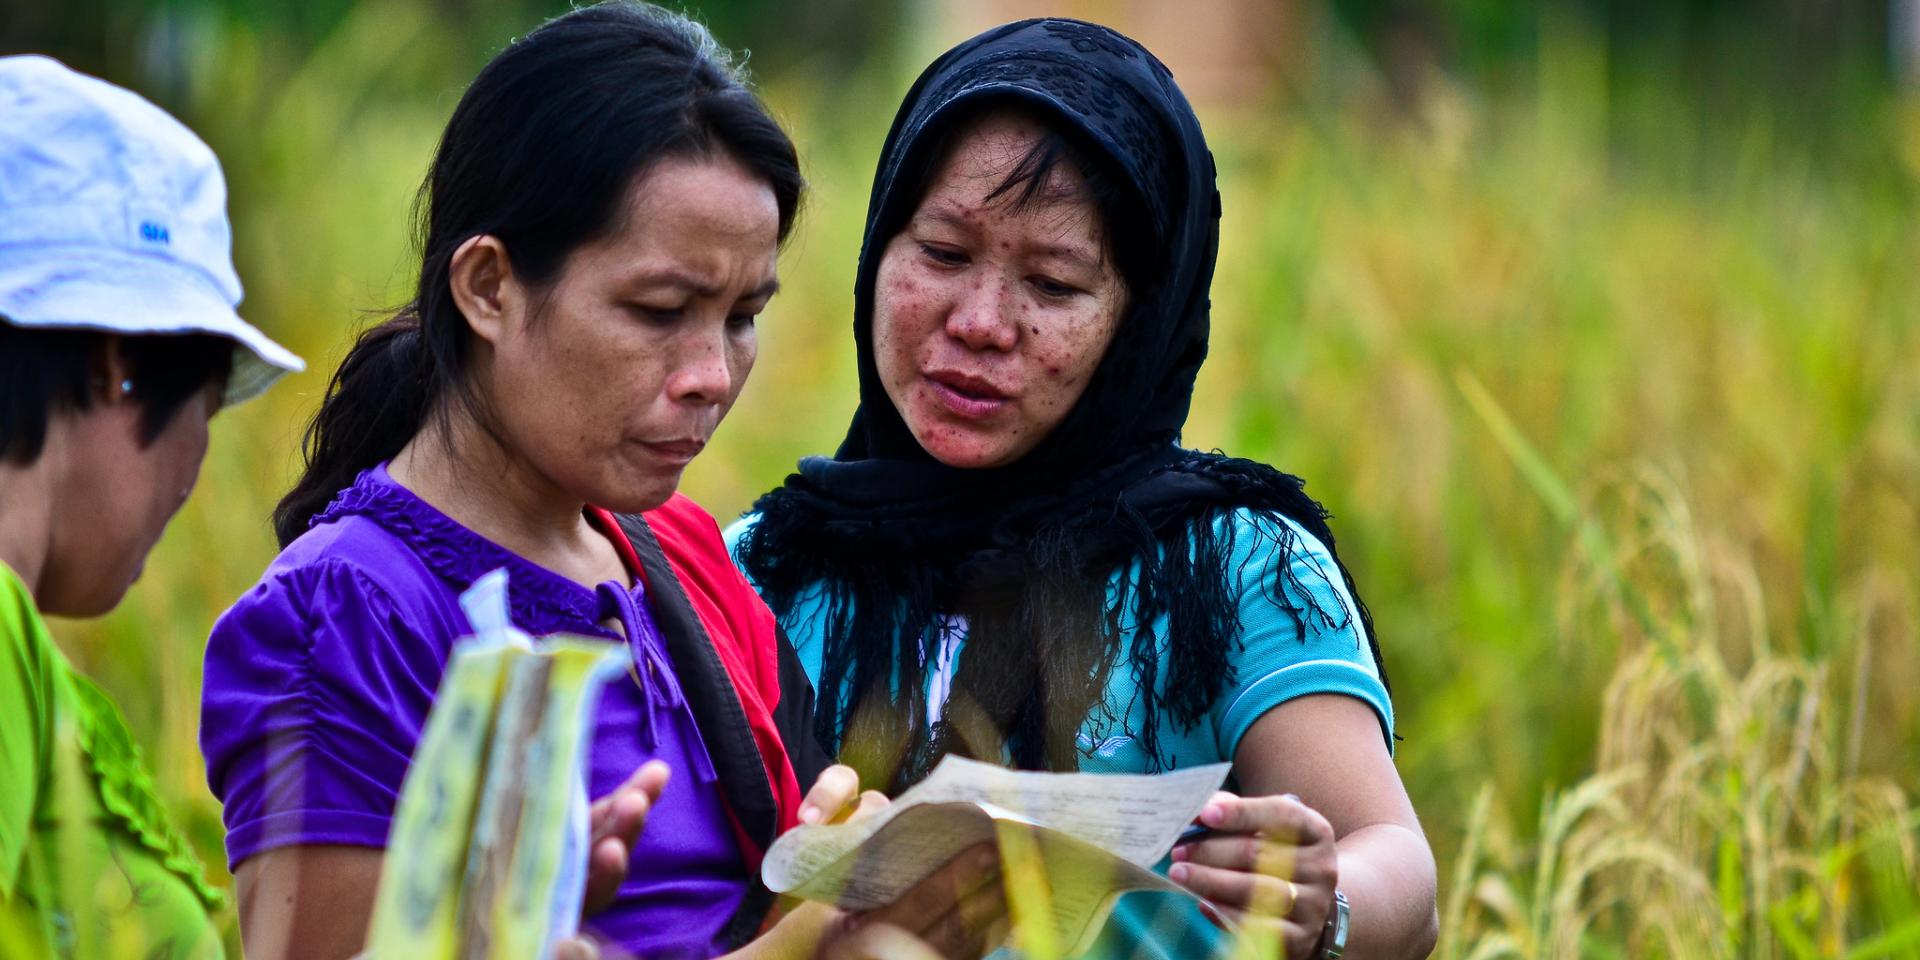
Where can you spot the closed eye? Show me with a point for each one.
(1053, 289)
(944, 256)
(657, 315)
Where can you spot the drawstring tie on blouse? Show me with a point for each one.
(660, 692)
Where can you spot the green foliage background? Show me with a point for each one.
(1598, 338)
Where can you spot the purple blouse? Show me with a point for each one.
(319, 679)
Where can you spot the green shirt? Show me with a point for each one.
(89, 864)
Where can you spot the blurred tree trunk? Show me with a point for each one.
(1903, 40)
(1224, 52)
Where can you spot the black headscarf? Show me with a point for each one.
(897, 541)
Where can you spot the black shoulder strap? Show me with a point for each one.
(716, 708)
(794, 716)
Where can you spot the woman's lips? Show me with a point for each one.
(966, 396)
(680, 452)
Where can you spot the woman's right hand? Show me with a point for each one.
(616, 820)
(878, 941)
(957, 911)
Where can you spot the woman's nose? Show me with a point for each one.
(701, 374)
(982, 319)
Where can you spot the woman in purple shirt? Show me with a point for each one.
(601, 225)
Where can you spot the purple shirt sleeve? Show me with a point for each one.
(317, 685)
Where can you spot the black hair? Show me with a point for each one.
(46, 371)
(538, 153)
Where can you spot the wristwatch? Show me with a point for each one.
(1333, 937)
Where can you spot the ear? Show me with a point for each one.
(484, 287)
(109, 378)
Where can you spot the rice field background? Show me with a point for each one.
(1614, 391)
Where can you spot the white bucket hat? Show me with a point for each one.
(113, 217)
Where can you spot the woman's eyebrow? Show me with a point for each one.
(944, 215)
(1070, 254)
(697, 286)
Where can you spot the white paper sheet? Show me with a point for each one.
(1097, 835)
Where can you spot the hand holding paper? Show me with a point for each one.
(1068, 843)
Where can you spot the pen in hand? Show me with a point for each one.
(1194, 833)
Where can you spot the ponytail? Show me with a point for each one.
(376, 402)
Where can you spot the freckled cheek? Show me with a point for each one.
(1063, 367)
(740, 361)
(896, 333)
(643, 388)
(537, 413)
(1050, 354)
(883, 354)
(911, 302)
(1079, 348)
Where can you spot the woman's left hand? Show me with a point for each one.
(836, 797)
(1271, 863)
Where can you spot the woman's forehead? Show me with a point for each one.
(990, 160)
(1001, 135)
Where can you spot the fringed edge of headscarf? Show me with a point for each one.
(880, 613)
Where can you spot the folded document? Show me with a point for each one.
(1070, 843)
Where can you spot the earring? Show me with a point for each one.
(126, 388)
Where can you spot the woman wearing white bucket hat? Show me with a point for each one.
(118, 341)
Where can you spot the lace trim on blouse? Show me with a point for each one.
(541, 601)
(127, 790)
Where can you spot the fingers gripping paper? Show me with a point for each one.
(487, 855)
(1070, 843)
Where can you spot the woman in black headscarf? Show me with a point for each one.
(1011, 557)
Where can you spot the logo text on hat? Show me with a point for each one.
(153, 232)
